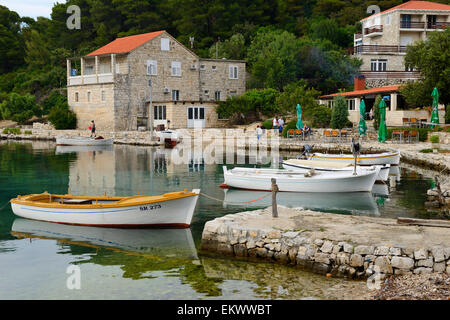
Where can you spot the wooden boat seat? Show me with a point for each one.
(321, 164)
(76, 201)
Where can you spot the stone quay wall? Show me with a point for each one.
(229, 235)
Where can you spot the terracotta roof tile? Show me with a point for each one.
(125, 44)
(416, 5)
(386, 89)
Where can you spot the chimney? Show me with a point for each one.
(359, 83)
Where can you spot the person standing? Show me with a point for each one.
(92, 128)
(280, 125)
(259, 132)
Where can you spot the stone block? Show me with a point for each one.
(356, 260)
(336, 248)
(327, 247)
(321, 268)
(423, 270)
(438, 254)
(348, 248)
(322, 258)
(364, 250)
(395, 251)
(402, 262)
(343, 258)
(439, 267)
(425, 263)
(420, 254)
(240, 250)
(381, 251)
(384, 264)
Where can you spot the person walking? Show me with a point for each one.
(275, 124)
(280, 125)
(92, 128)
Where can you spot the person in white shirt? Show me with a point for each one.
(259, 132)
(275, 124)
(280, 124)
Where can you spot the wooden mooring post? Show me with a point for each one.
(274, 198)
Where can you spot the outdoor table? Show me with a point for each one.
(399, 133)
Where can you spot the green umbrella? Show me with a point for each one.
(435, 114)
(382, 131)
(299, 117)
(362, 123)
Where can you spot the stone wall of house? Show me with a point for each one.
(382, 82)
(100, 111)
(215, 77)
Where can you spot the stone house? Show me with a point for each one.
(382, 43)
(111, 84)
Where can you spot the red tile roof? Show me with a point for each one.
(126, 44)
(387, 89)
(416, 5)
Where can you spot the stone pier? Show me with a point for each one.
(344, 246)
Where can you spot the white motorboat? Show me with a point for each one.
(169, 138)
(297, 181)
(392, 158)
(173, 209)
(83, 141)
(356, 203)
(305, 165)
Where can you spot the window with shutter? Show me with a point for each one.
(233, 72)
(176, 68)
(152, 67)
(165, 44)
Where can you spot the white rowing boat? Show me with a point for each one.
(168, 210)
(169, 138)
(83, 141)
(392, 158)
(306, 165)
(295, 181)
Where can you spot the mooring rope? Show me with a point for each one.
(239, 202)
(4, 206)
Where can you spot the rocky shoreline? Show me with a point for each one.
(345, 246)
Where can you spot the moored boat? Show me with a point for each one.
(327, 166)
(83, 141)
(173, 209)
(391, 157)
(169, 138)
(295, 181)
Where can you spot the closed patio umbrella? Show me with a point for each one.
(382, 131)
(299, 117)
(362, 123)
(435, 113)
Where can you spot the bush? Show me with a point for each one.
(426, 150)
(321, 117)
(339, 114)
(423, 132)
(11, 131)
(28, 132)
(19, 108)
(434, 139)
(62, 118)
(290, 125)
(447, 114)
(53, 99)
(268, 124)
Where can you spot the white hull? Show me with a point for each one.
(83, 141)
(260, 179)
(392, 158)
(293, 165)
(174, 243)
(358, 203)
(176, 213)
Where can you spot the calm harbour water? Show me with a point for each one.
(157, 264)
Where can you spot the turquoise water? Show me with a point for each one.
(156, 264)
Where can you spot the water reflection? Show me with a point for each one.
(357, 203)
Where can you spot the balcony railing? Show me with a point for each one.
(412, 25)
(364, 48)
(91, 79)
(438, 25)
(374, 29)
(390, 74)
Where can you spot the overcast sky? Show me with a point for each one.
(31, 8)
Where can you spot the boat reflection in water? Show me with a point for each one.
(70, 149)
(163, 243)
(355, 203)
(380, 190)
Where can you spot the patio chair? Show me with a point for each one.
(299, 133)
(405, 121)
(397, 133)
(414, 122)
(291, 133)
(335, 134)
(344, 134)
(406, 134)
(327, 135)
(414, 135)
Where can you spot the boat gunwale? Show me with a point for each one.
(119, 201)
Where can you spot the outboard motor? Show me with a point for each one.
(307, 150)
(356, 148)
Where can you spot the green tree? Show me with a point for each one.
(61, 117)
(11, 41)
(19, 108)
(376, 112)
(432, 59)
(339, 114)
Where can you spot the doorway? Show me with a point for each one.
(196, 117)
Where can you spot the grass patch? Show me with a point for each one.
(426, 150)
(11, 131)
